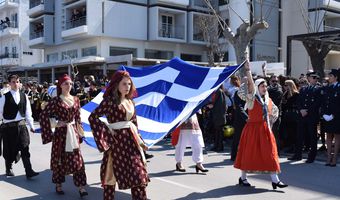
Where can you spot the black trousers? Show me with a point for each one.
(307, 129)
(16, 144)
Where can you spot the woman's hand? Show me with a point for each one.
(246, 66)
(61, 124)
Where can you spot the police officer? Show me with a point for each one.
(331, 114)
(308, 109)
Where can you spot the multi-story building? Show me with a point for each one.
(322, 16)
(14, 50)
(98, 36)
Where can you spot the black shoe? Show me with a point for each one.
(180, 169)
(31, 174)
(243, 183)
(322, 148)
(332, 165)
(9, 172)
(295, 157)
(279, 184)
(148, 156)
(309, 161)
(328, 164)
(83, 193)
(59, 191)
(200, 169)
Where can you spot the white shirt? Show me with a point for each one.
(28, 112)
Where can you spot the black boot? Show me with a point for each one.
(28, 168)
(9, 171)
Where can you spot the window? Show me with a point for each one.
(167, 26)
(89, 51)
(53, 57)
(223, 2)
(118, 51)
(191, 57)
(14, 20)
(157, 54)
(69, 54)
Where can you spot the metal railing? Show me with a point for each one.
(4, 1)
(37, 34)
(76, 22)
(171, 31)
(8, 25)
(34, 3)
(9, 55)
(330, 28)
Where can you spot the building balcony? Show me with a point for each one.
(39, 7)
(75, 29)
(184, 3)
(9, 29)
(327, 4)
(66, 2)
(9, 59)
(195, 34)
(41, 31)
(167, 24)
(9, 4)
(201, 5)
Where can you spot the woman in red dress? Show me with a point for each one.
(257, 152)
(66, 157)
(123, 160)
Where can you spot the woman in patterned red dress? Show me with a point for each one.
(66, 157)
(123, 160)
(257, 151)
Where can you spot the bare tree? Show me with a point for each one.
(244, 33)
(208, 27)
(317, 50)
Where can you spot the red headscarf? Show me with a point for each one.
(62, 79)
(113, 85)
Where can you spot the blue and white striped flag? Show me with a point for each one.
(168, 94)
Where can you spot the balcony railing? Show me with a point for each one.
(76, 22)
(171, 31)
(34, 3)
(8, 25)
(330, 28)
(4, 1)
(37, 34)
(9, 55)
(198, 36)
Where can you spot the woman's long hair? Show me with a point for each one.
(292, 88)
(112, 88)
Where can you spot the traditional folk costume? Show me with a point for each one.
(15, 110)
(66, 157)
(190, 135)
(257, 151)
(123, 160)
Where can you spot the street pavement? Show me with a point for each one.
(306, 181)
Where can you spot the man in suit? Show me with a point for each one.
(308, 106)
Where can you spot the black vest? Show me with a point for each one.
(11, 108)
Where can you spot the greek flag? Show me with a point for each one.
(168, 94)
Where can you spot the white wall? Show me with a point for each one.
(121, 21)
(293, 24)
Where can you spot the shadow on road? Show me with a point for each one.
(227, 191)
(41, 187)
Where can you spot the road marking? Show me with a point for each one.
(179, 185)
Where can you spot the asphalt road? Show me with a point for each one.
(306, 181)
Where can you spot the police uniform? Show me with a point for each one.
(330, 106)
(309, 99)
